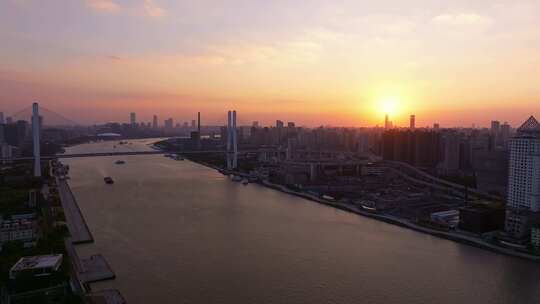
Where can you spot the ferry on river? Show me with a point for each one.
(108, 180)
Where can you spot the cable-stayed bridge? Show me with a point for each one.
(49, 117)
(39, 116)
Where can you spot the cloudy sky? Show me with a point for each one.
(312, 61)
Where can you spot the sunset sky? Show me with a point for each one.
(310, 61)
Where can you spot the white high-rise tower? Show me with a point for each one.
(35, 139)
(523, 204)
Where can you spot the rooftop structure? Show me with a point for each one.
(39, 265)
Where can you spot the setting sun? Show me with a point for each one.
(389, 106)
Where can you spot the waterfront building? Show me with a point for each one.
(523, 203)
(18, 230)
(481, 218)
(535, 237)
(132, 118)
(155, 122)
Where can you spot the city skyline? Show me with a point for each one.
(316, 63)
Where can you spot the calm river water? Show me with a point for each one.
(178, 232)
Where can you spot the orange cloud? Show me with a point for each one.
(103, 5)
(463, 19)
(153, 10)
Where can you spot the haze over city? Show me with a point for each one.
(315, 62)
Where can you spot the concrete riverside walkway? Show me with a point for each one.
(77, 225)
(109, 296)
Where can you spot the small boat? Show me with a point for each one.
(108, 180)
(119, 162)
(236, 178)
(245, 182)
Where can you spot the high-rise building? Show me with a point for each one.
(386, 122)
(168, 123)
(193, 123)
(1, 117)
(523, 202)
(155, 122)
(279, 124)
(9, 120)
(495, 127)
(132, 118)
(15, 133)
(436, 126)
(255, 124)
(36, 126)
(412, 123)
(505, 133)
(290, 124)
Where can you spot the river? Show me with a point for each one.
(178, 232)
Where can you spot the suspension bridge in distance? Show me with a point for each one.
(127, 153)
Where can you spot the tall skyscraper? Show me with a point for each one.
(523, 203)
(279, 124)
(1, 117)
(386, 122)
(412, 123)
(132, 118)
(35, 139)
(155, 122)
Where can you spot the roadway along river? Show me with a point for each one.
(177, 232)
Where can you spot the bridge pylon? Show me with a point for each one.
(232, 141)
